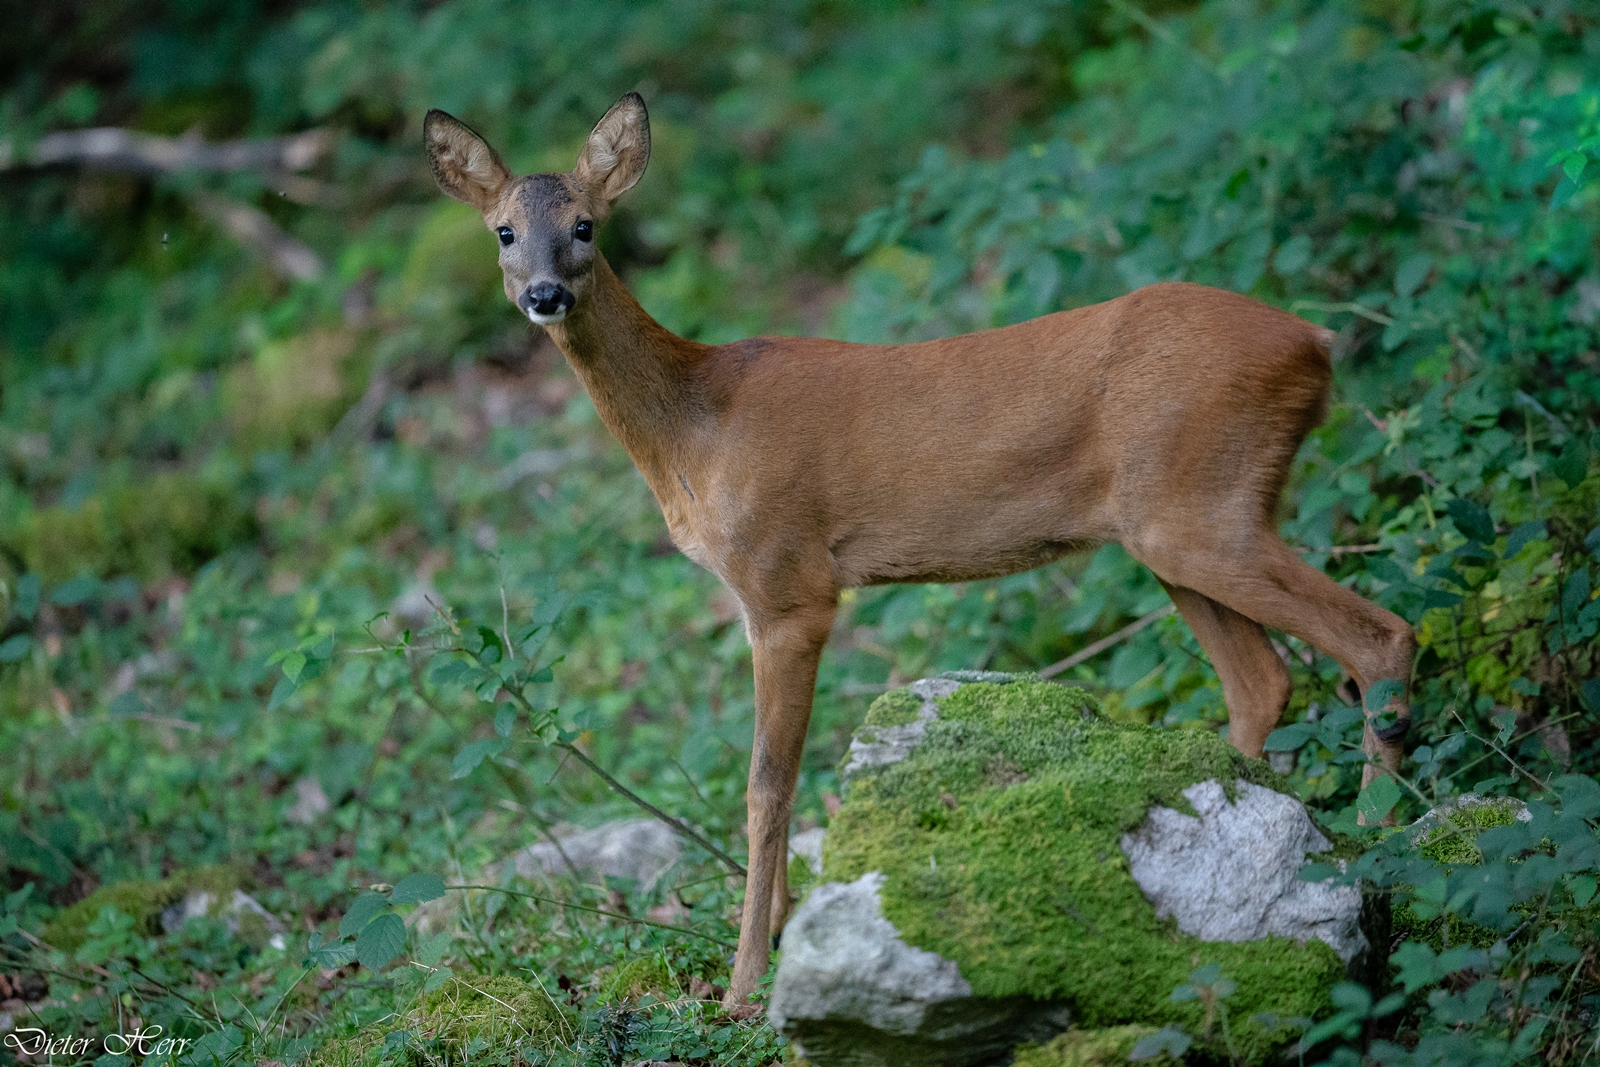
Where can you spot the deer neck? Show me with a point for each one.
(638, 373)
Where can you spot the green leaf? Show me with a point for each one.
(1293, 255)
(26, 603)
(382, 940)
(1167, 1041)
(15, 647)
(362, 909)
(1525, 535)
(1583, 889)
(1471, 518)
(281, 692)
(437, 979)
(293, 664)
(1378, 799)
(505, 717)
(216, 1045)
(1412, 273)
(433, 949)
(416, 888)
(468, 758)
(1572, 465)
(1380, 693)
(1291, 737)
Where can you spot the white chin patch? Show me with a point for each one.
(546, 320)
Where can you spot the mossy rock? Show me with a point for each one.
(167, 522)
(1448, 834)
(990, 821)
(1089, 1048)
(141, 901)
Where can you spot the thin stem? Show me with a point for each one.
(678, 825)
(599, 911)
(1541, 783)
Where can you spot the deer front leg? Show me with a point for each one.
(786, 650)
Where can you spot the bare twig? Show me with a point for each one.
(1106, 642)
(1355, 309)
(1341, 550)
(680, 825)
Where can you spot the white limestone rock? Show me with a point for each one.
(1232, 873)
(850, 992)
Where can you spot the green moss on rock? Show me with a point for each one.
(142, 901)
(1088, 1048)
(999, 838)
(895, 708)
(1449, 835)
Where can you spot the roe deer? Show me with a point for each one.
(794, 468)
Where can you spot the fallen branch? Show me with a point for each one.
(254, 229)
(117, 149)
(1106, 642)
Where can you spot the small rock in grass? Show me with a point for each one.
(639, 850)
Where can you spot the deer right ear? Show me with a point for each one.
(463, 164)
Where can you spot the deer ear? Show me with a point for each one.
(615, 155)
(463, 164)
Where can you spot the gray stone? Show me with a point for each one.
(1232, 873)
(200, 902)
(877, 746)
(808, 846)
(639, 850)
(311, 801)
(849, 991)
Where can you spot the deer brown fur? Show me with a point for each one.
(793, 468)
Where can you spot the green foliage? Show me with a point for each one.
(204, 465)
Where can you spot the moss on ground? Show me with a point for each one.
(999, 838)
(1088, 1048)
(631, 980)
(497, 1009)
(142, 901)
(472, 1017)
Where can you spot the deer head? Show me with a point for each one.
(545, 222)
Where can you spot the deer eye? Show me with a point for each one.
(506, 236)
(584, 230)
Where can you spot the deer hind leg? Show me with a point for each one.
(1255, 683)
(786, 651)
(1263, 579)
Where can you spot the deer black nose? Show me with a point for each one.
(547, 298)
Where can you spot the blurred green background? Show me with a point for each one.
(246, 406)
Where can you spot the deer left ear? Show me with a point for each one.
(463, 164)
(617, 151)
